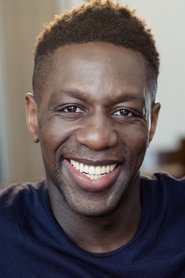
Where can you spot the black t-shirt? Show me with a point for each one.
(32, 244)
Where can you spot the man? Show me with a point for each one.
(94, 113)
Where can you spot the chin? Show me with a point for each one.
(93, 211)
(91, 207)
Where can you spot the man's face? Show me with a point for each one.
(92, 125)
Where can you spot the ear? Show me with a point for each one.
(32, 116)
(154, 118)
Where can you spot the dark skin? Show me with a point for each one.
(95, 110)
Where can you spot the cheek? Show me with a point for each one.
(136, 139)
(52, 135)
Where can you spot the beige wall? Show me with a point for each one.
(22, 20)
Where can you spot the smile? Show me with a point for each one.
(93, 172)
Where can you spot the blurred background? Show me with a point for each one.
(20, 23)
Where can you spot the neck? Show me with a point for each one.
(103, 233)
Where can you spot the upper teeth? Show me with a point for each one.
(93, 171)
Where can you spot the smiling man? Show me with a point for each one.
(93, 110)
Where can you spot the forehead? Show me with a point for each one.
(95, 54)
(96, 67)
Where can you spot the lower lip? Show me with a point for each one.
(87, 184)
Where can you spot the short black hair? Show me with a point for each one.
(95, 21)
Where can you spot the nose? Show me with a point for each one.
(97, 133)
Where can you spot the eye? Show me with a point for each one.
(123, 112)
(72, 109)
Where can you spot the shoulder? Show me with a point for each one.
(164, 180)
(166, 188)
(19, 195)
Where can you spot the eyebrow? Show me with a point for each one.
(75, 93)
(128, 96)
(81, 95)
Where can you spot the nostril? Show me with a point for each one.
(96, 138)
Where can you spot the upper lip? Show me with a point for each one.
(95, 162)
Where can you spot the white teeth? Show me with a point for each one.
(104, 169)
(98, 170)
(86, 169)
(81, 168)
(93, 172)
